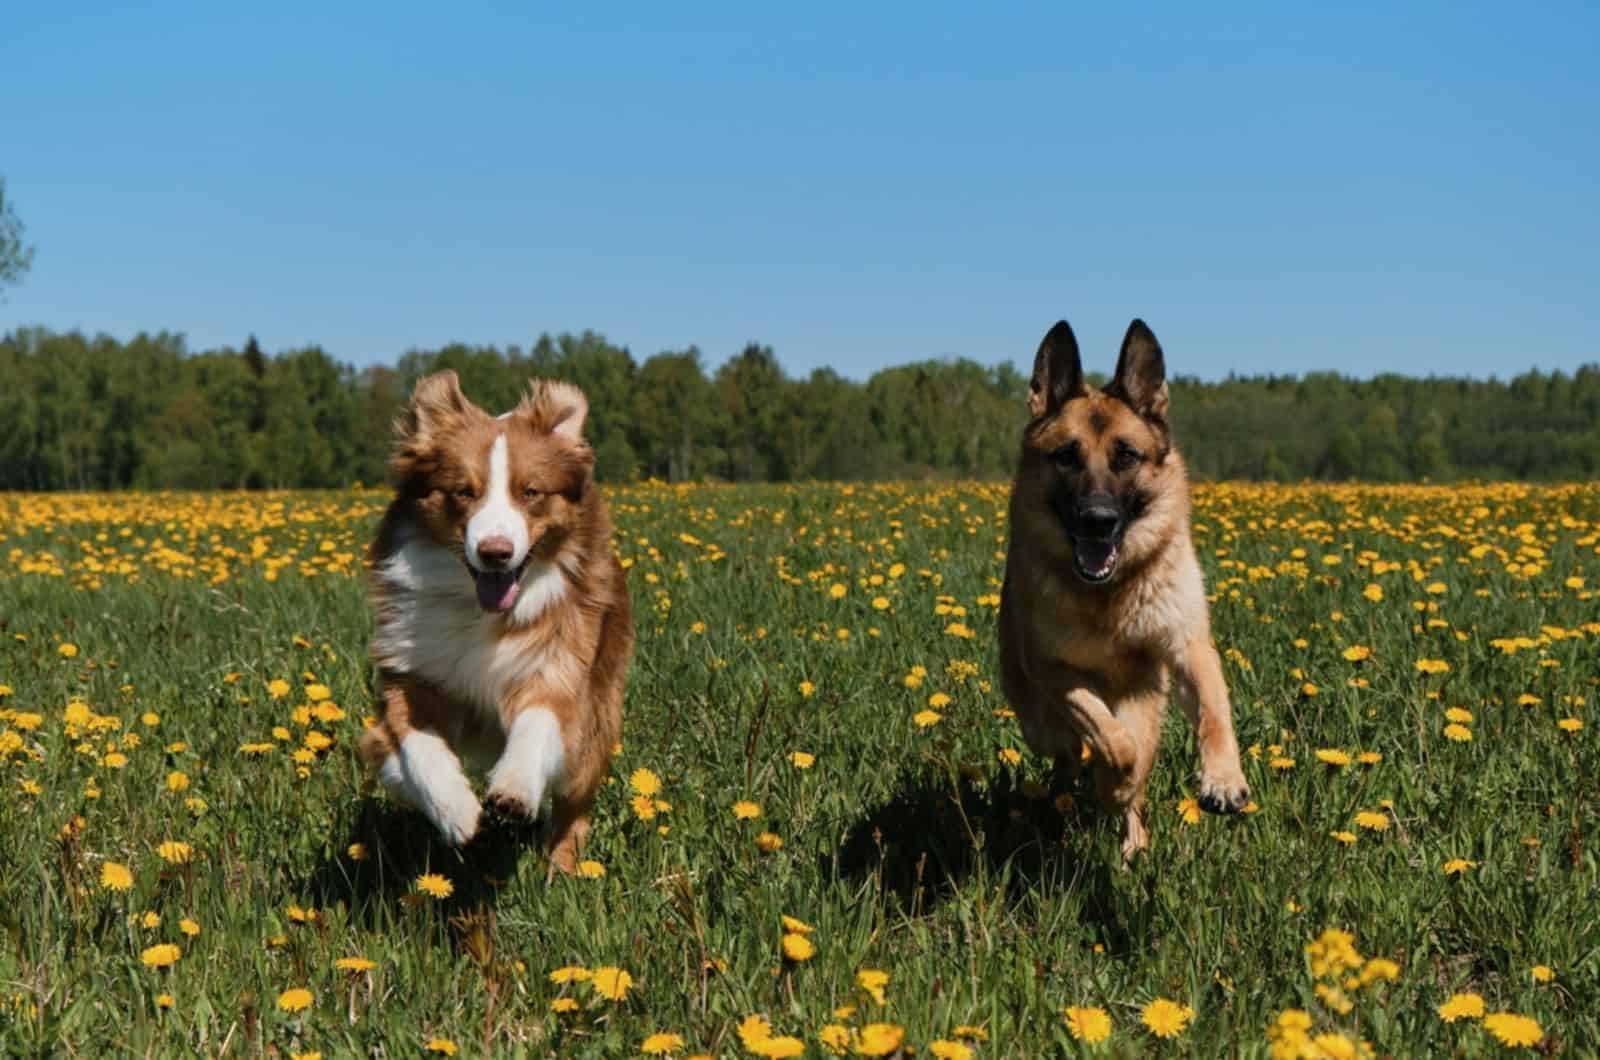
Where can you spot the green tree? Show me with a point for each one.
(16, 257)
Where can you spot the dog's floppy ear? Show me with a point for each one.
(437, 404)
(556, 407)
(1057, 372)
(1141, 379)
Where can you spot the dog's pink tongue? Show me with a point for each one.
(1096, 556)
(497, 591)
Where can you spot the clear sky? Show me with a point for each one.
(1274, 187)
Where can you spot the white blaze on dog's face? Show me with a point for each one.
(502, 492)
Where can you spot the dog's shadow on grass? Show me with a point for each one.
(937, 833)
(389, 848)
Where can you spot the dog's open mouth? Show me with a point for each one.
(1094, 558)
(497, 590)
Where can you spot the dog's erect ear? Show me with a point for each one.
(437, 404)
(1141, 379)
(559, 408)
(1057, 372)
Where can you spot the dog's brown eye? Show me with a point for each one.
(1125, 457)
(1068, 457)
(530, 494)
(465, 493)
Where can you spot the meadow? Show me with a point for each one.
(823, 834)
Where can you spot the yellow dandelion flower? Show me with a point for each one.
(1457, 866)
(802, 759)
(1432, 666)
(564, 1005)
(1357, 653)
(745, 810)
(177, 780)
(175, 852)
(611, 982)
(295, 999)
(441, 1045)
(571, 973)
(1457, 733)
(67, 651)
(434, 886)
(806, 689)
(277, 688)
(164, 955)
(1512, 1029)
(1461, 1006)
(644, 782)
(1543, 973)
(1189, 810)
(769, 842)
(1374, 822)
(661, 1043)
(1344, 837)
(926, 718)
(355, 964)
(944, 1049)
(879, 1039)
(873, 981)
(798, 948)
(1569, 725)
(835, 1038)
(1088, 1023)
(189, 927)
(1166, 1019)
(115, 876)
(591, 870)
(1332, 756)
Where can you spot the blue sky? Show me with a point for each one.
(1275, 188)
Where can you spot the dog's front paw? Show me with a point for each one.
(1223, 790)
(512, 806)
(456, 816)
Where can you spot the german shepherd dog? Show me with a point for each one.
(1103, 608)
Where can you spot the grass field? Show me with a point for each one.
(191, 863)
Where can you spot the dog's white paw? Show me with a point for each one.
(426, 774)
(531, 766)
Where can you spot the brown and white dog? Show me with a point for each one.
(504, 628)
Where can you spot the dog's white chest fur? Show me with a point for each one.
(431, 625)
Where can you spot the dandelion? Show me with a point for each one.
(1344, 837)
(177, 780)
(295, 999)
(277, 688)
(879, 1039)
(1088, 1024)
(806, 689)
(441, 1045)
(1432, 666)
(1457, 866)
(1010, 756)
(356, 851)
(115, 876)
(798, 948)
(67, 651)
(1334, 757)
(1189, 810)
(434, 886)
(164, 955)
(944, 1049)
(164, 1001)
(1357, 652)
(938, 701)
(873, 981)
(802, 759)
(1569, 725)
(355, 964)
(927, 718)
(1166, 1019)
(1374, 822)
(174, 852)
(563, 1005)
(644, 782)
(769, 842)
(591, 870)
(659, 1044)
(571, 973)
(745, 810)
(1543, 973)
(1457, 733)
(1512, 1029)
(611, 983)
(189, 927)
(1461, 1006)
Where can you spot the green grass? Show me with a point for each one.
(919, 852)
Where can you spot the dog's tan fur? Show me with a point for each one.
(1095, 663)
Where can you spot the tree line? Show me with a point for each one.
(98, 413)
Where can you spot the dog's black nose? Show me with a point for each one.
(1098, 521)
